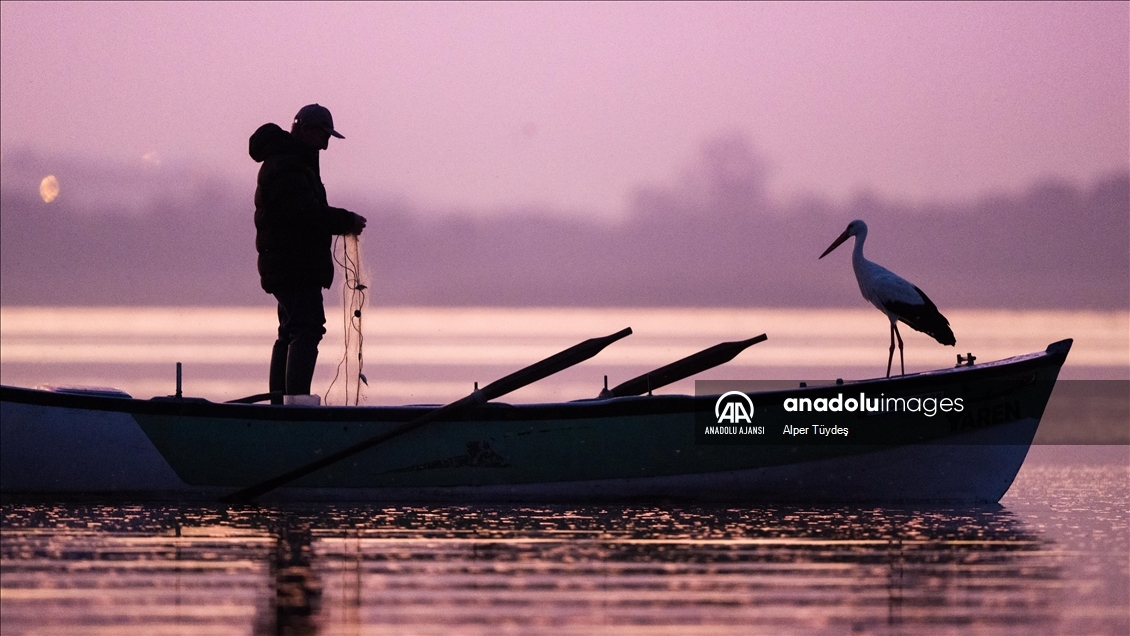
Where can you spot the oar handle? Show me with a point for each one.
(684, 368)
(557, 362)
(258, 397)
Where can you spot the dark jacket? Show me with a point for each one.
(294, 226)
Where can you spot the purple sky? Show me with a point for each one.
(574, 106)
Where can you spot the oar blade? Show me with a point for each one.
(573, 355)
(684, 368)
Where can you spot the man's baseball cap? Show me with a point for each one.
(317, 115)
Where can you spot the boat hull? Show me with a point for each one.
(641, 448)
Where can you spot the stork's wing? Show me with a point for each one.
(923, 317)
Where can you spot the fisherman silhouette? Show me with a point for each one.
(294, 229)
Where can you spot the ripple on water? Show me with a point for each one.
(1054, 559)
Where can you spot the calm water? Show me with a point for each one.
(435, 355)
(1053, 558)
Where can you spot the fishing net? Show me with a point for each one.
(352, 301)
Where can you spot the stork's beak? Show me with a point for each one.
(835, 244)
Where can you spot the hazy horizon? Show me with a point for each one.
(677, 155)
(166, 235)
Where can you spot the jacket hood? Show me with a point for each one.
(272, 140)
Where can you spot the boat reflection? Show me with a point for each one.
(353, 569)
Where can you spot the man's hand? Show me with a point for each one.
(358, 224)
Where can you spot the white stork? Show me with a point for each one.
(893, 295)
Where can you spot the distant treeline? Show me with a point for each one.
(714, 240)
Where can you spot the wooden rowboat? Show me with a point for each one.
(653, 447)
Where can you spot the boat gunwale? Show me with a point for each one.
(1055, 354)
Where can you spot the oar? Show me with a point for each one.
(688, 366)
(258, 397)
(514, 381)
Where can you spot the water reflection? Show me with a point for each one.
(296, 584)
(101, 569)
(364, 569)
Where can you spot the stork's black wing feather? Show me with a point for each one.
(925, 318)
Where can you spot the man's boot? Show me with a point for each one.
(277, 379)
(300, 362)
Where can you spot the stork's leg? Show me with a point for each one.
(902, 365)
(891, 355)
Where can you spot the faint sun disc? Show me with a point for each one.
(49, 188)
